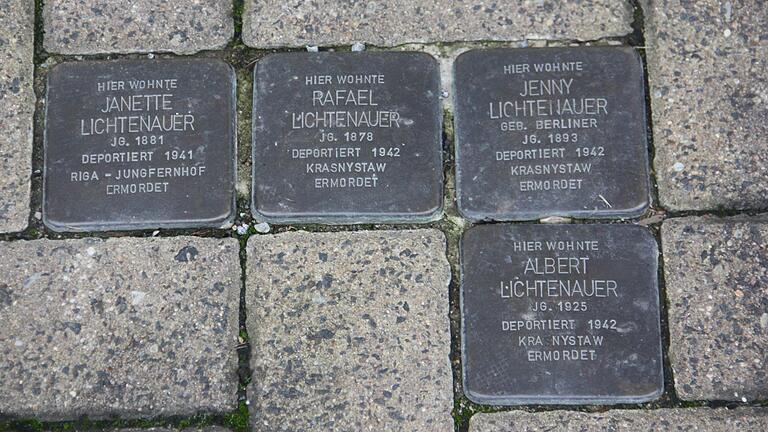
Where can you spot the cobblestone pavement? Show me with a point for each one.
(306, 327)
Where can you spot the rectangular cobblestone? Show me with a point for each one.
(129, 327)
(349, 331)
(189, 429)
(696, 419)
(716, 273)
(108, 26)
(708, 72)
(17, 107)
(154, 429)
(274, 23)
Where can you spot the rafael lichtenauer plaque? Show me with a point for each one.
(560, 314)
(551, 132)
(136, 144)
(347, 137)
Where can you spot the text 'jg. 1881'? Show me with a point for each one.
(135, 144)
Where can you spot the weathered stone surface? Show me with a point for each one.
(703, 419)
(272, 23)
(17, 106)
(129, 327)
(349, 331)
(191, 429)
(716, 274)
(708, 71)
(108, 26)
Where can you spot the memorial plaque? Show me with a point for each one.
(551, 132)
(347, 137)
(136, 144)
(560, 314)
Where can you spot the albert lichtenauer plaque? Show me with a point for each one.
(560, 314)
(347, 137)
(135, 144)
(551, 132)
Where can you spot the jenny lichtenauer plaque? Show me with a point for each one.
(347, 137)
(135, 144)
(560, 314)
(551, 132)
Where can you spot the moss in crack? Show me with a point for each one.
(40, 54)
(22, 426)
(34, 425)
(244, 60)
(689, 404)
(238, 420)
(637, 37)
(669, 397)
(238, 9)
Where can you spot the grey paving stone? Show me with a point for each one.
(275, 23)
(693, 419)
(189, 429)
(129, 327)
(349, 331)
(716, 273)
(76, 428)
(708, 71)
(108, 26)
(17, 107)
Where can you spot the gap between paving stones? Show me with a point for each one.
(451, 224)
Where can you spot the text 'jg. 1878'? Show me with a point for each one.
(347, 137)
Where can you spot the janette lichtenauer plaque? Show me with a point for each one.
(139, 144)
(560, 314)
(551, 132)
(347, 137)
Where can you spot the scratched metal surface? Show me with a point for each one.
(618, 355)
(202, 101)
(410, 185)
(612, 175)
